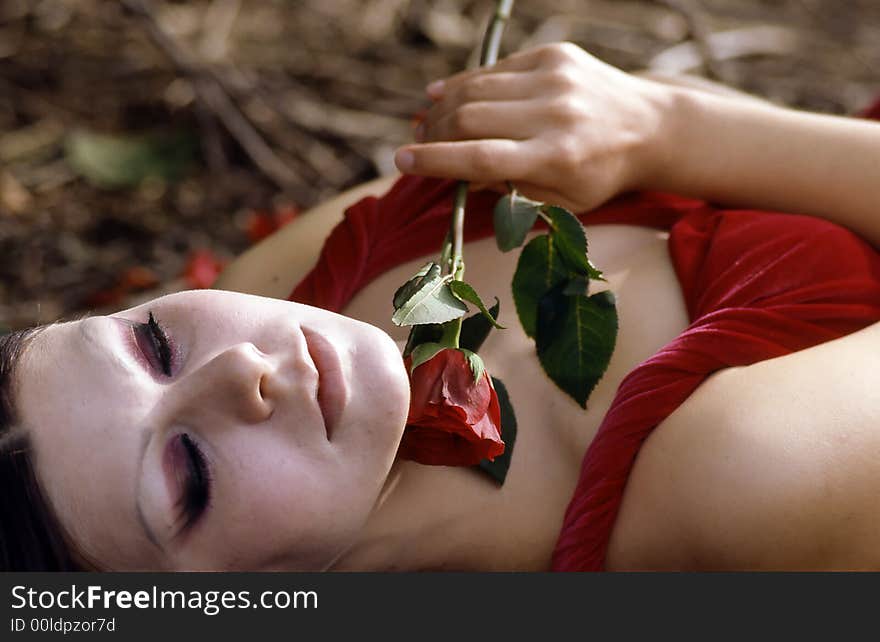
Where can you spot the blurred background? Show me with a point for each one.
(144, 144)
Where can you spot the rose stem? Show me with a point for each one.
(488, 56)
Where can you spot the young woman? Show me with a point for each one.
(222, 430)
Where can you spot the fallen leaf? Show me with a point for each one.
(202, 269)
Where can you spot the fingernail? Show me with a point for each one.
(404, 160)
(435, 89)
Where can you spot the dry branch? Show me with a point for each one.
(211, 92)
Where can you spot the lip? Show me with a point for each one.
(331, 392)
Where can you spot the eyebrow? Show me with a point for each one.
(144, 441)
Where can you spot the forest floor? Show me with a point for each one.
(140, 147)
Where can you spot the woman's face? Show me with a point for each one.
(213, 430)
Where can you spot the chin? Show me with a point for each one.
(382, 387)
(390, 373)
(382, 356)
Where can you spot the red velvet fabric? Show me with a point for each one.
(757, 285)
(411, 220)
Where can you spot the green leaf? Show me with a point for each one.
(474, 329)
(476, 364)
(569, 238)
(605, 298)
(467, 293)
(594, 272)
(426, 333)
(538, 270)
(575, 340)
(423, 353)
(431, 302)
(514, 216)
(577, 286)
(497, 469)
(405, 291)
(118, 161)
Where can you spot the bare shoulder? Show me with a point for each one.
(770, 466)
(274, 266)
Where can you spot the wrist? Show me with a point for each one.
(664, 135)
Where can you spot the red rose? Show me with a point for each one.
(453, 420)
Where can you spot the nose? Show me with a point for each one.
(232, 385)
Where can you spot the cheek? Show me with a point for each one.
(282, 508)
(382, 380)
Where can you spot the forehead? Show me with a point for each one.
(73, 388)
(82, 411)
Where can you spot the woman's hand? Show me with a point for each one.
(567, 129)
(559, 124)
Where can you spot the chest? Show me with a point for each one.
(650, 309)
(553, 430)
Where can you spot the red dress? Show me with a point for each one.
(757, 285)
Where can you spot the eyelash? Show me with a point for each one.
(197, 489)
(159, 347)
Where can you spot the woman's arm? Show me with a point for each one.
(771, 466)
(760, 155)
(563, 126)
(274, 266)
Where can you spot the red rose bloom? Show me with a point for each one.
(453, 420)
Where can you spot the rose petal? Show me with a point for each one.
(453, 420)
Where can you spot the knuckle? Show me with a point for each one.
(569, 110)
(567, 153)
(569, 51)
(558, 53)
(465, 120)
(547, 55)
(482, 161)
(565, 78)
(473, 90)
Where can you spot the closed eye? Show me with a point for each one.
(153, 342)
(197, 482)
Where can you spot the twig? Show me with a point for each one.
(307, 120)
(211, 92)
(313, 161)
(344, 122)
(218, 22)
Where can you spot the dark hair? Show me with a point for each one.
(31, 536)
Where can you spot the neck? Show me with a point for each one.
(419, 525)
(445, 518)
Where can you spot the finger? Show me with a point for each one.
(516, 120)
(508, 85)
(484, 161)
(519, 62)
